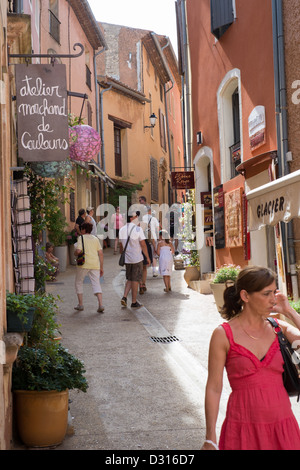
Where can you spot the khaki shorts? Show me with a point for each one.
(134, 272)
(94, 275)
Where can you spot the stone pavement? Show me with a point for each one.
(142, 395)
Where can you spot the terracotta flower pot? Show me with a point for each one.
(41, 417)
(218, 291)
(192, 273)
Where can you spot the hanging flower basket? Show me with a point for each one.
(84, 143)
(52, 169)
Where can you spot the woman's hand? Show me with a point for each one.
(282, 304)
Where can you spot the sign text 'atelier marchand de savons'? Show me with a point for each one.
(42, 114)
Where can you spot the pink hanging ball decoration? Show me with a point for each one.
(84, 142)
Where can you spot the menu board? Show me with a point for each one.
(233, 218)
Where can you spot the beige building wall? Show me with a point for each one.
(138, 144)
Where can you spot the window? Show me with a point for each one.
(229, 116)
(154, 179)
(162, 130)
(222, 16)
(118, 156)
(235, 149)
(15, 6)
(54, 23)
(161, 91)
(89, 114)
(151, 111)
(88, 75)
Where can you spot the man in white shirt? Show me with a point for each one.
(133, 257)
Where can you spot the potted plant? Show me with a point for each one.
(20, 311)
(295, 304)
(57, 236)
(43, 374)
(71, 240)
(227, 272)
(192, 266)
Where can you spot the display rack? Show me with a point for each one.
(22, 242)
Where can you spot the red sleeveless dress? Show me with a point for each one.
(259, 414)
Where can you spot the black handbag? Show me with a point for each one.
(291, 373)
(81, 257)
(122, 257)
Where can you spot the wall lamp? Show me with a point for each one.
(152, 121)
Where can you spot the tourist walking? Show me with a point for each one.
(117, 222)
(90, 219)
(151, 230)
(165, 251)
(93, 265)
(80, 219)
(259, 414)
(135, 249)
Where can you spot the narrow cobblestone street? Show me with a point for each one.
(142, 395)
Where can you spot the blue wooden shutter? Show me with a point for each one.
(221, 16)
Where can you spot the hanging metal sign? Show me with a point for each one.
(183, 180)
(42, 114)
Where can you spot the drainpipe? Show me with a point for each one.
(166, 111)
(187, 87)
(102, 127)
(97, 96)
(282, 128)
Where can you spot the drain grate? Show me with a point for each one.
(164, 339)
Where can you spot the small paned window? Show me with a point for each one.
(118, 156)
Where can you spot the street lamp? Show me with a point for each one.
(152, 121)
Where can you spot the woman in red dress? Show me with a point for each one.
(259, 414)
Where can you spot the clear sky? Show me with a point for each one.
(154, 15)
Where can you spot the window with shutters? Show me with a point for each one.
(89, 114)
(118, 155)
(222, 16)
(162, 130)
(154, 179)
(54, 23)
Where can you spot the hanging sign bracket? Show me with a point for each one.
(47, 56)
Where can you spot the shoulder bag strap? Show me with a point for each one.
(128, 240)
(277, 329)
(82, 243)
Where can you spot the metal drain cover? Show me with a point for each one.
(164, 339)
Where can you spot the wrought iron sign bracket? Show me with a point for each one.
(52, 57)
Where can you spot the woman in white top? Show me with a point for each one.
(89, 218)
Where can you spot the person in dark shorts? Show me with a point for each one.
(136, 247)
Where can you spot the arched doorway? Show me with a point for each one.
(203, 163)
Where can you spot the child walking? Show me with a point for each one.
(165, 251)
